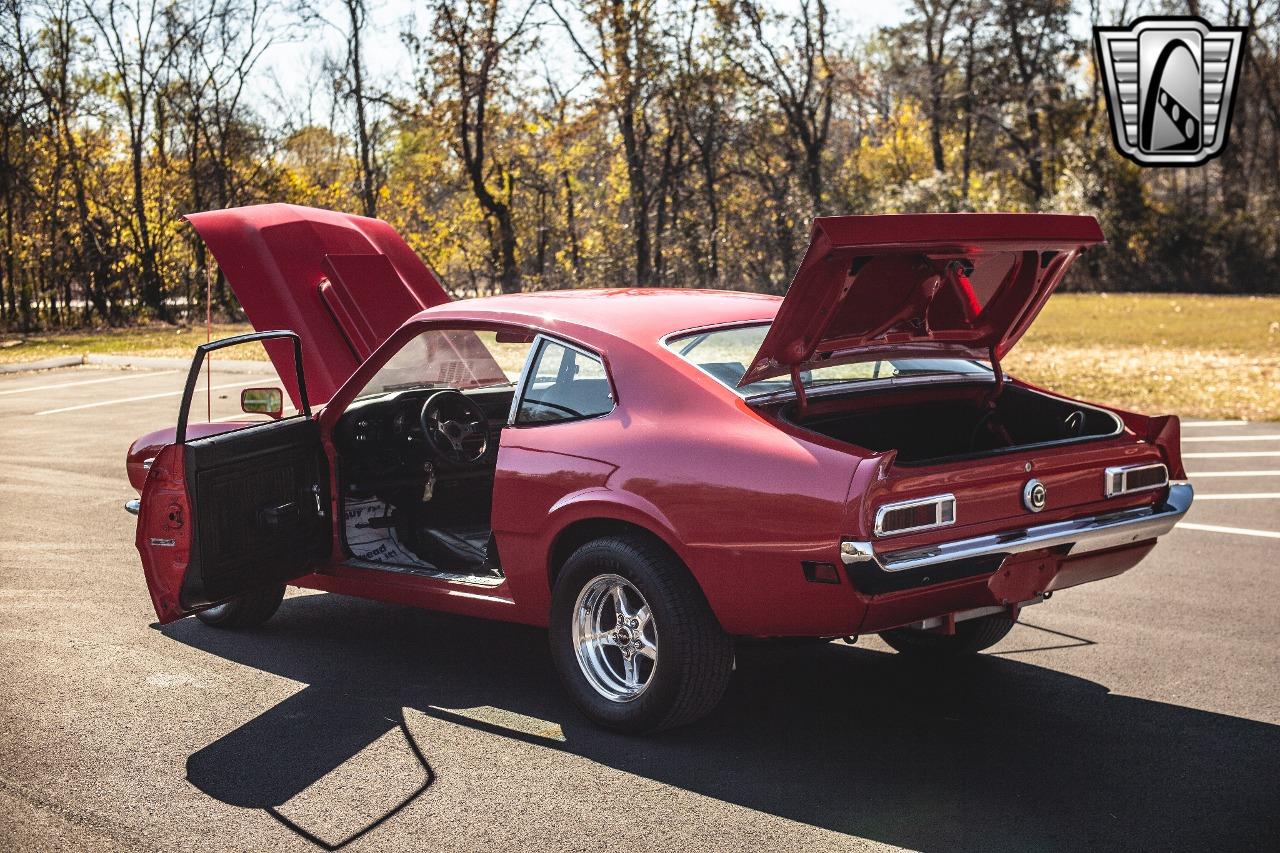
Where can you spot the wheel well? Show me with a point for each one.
(581, 532)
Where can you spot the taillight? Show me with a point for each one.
(1124, 480)
(919, 514)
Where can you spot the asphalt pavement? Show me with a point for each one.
(1141, 712)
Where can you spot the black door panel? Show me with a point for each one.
(260, 498)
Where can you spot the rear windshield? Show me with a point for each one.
(725, 354)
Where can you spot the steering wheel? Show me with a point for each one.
(1073, 424)
(456, 427)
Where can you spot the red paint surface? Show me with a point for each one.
(893, 299)
(149, 446)
(343, 283)
(739, 497)
(164, 532)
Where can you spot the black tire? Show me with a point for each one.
(246, 611)
(971, 637)
(694, 657)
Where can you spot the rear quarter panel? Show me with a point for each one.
(739, 501)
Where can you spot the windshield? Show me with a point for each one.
(452, 358)
(725, 354)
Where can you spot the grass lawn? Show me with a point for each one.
(1197, 356)
(155, 339)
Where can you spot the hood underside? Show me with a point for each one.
(344, 283)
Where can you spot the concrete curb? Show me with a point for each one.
(220, 365)
(43, 364)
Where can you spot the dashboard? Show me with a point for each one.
(386, 430)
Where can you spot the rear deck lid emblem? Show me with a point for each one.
(1034, 495)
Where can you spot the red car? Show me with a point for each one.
(652, 473)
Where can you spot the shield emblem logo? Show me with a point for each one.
(1170, 84)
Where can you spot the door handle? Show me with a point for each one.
(275, 517)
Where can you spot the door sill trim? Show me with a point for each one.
(486, 582)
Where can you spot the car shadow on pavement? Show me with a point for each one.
(989, 753)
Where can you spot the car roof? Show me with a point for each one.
(641, 316)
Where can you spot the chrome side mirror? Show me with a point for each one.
(262, 401)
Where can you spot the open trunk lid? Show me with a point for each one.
(939, 284)
(344, 283)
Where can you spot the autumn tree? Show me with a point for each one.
(138, 49)
(563, 143)
(788, 59)
(622, 43)
(467, 62)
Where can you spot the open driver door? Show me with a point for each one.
(235, 511)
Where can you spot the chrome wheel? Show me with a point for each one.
(615, 638)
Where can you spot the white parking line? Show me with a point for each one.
(1242, 454)
(1240, 496)
(1239, 531)
(1196, 475)
(1268, 437)
(88, 382)
(1214, 423)
(139, 399)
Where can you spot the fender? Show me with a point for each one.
(144, 451)
(606, 503)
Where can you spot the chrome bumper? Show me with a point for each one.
(1079, 535)
(133, 507)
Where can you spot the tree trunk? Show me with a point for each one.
(1035, 157)
(571, 225)
(509, 277)
(637, 183)
(152, 286)
(364, 147)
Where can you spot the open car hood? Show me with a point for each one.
(343, 283)
(936, 284)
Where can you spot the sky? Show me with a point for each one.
(290, 71)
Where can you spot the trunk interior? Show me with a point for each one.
(938, 423)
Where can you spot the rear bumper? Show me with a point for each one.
(874, 572)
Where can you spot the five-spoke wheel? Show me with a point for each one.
(615, 638)
(632, 636)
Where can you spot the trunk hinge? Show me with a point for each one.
(999, 371)
(989, 419)
(802, 399)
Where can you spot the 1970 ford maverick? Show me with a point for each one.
(651, 474)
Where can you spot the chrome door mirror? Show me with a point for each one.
(262, 401)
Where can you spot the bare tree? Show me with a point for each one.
(357, 92)
(212, 80)
(138, 51)
(351, 85)
(17, 104)
(705, 95)
(798, 77)
(1031, 51)
(465, 63)
(624, 53)
(933, 19)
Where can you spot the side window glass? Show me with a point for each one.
(564, 385)
(240, 385)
